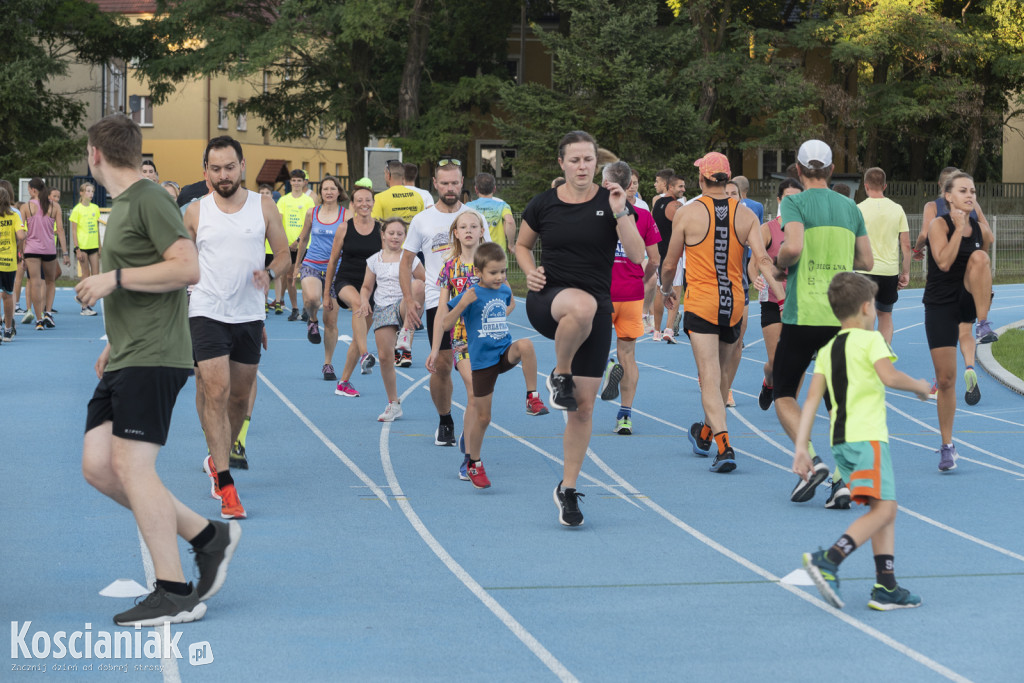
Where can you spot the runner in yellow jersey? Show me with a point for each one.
(85, 235)
(12, 238)
(397, 200)
(293, 207)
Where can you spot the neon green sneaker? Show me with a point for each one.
(624, 426)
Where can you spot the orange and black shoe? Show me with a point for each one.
(230, 505)
(211, 470)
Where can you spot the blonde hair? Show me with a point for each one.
(455, 248)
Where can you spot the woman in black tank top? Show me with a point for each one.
(958, 288)
(354, 242)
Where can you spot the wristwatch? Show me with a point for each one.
(620, 214)
(271, 273)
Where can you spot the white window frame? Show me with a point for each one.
(144, 114)
(222, 113)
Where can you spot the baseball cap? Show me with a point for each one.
(365, 182)
(712, 165)
(814, 151)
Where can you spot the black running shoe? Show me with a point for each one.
(765, 398)
(213, 558)
(294, 315)
(725, 462)
(804, 490)
(568, 503)
(313, 332)
(613, 373)
(701, 447)
(839, 498)
(560, 392)
(160, 606)
(445, 434)
(237, 459)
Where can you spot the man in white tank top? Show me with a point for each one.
(226, 309)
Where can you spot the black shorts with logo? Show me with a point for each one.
(138, 401)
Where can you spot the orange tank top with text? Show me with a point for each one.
(714, 267)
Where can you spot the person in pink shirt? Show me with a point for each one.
(627, 292)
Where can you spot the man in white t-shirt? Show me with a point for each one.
(428, 234)
(412, 172)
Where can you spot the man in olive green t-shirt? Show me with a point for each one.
(148, 260)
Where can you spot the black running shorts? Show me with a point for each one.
(797, 346)
(241, 342)
(888, 292)
(942, 321)
(446, 340)
(139, 402)
(592, 357)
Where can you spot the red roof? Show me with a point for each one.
(127, 6)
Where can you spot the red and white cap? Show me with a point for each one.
(712, 164)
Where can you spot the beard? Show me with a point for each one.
(449, 199)
(230, 191)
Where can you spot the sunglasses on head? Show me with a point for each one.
(445, 162)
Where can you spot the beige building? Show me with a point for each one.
(1013, 151)
(175, 133)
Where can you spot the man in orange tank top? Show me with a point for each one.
(714, 231)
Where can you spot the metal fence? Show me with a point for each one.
(1007, 252)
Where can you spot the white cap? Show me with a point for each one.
(814, 150)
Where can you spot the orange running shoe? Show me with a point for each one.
(211, 470)
(230, 506)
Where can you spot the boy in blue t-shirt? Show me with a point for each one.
(853, 369)
(484, 309)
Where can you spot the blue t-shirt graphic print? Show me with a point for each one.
(486, 324)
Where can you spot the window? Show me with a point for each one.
(222, 113)
(241, 123)
(266, 81)
(512, 63)
(323, 130)
(115, 90)
(775, 161)
(337, 170)
(141, 109)
(494, 157)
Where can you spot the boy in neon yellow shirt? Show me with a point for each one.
(85, 235)
(854, 368)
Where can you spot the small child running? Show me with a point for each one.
(388, 311)
(854, 368)
(484, 309)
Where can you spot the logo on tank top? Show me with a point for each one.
(599, 213)
(721, 212)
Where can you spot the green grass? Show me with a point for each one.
(1009, 351)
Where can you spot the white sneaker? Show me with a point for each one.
(404, 342)
(648, 323)
(392, 412)
(668, 336)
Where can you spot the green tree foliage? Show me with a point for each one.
(42, 129)
(329, 63)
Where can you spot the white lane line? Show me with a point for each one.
(377, 490)
(905, 650)
(788, 451)
(981, 463)
(517, 629)
(963, 411)
(956, 440)
(168, 665)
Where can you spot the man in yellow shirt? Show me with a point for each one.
(887, 227)
(293, 207)
(397, 200)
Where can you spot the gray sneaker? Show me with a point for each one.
(213, 558)
(160, 606)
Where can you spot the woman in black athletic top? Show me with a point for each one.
(957, 290)
(579, 225)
